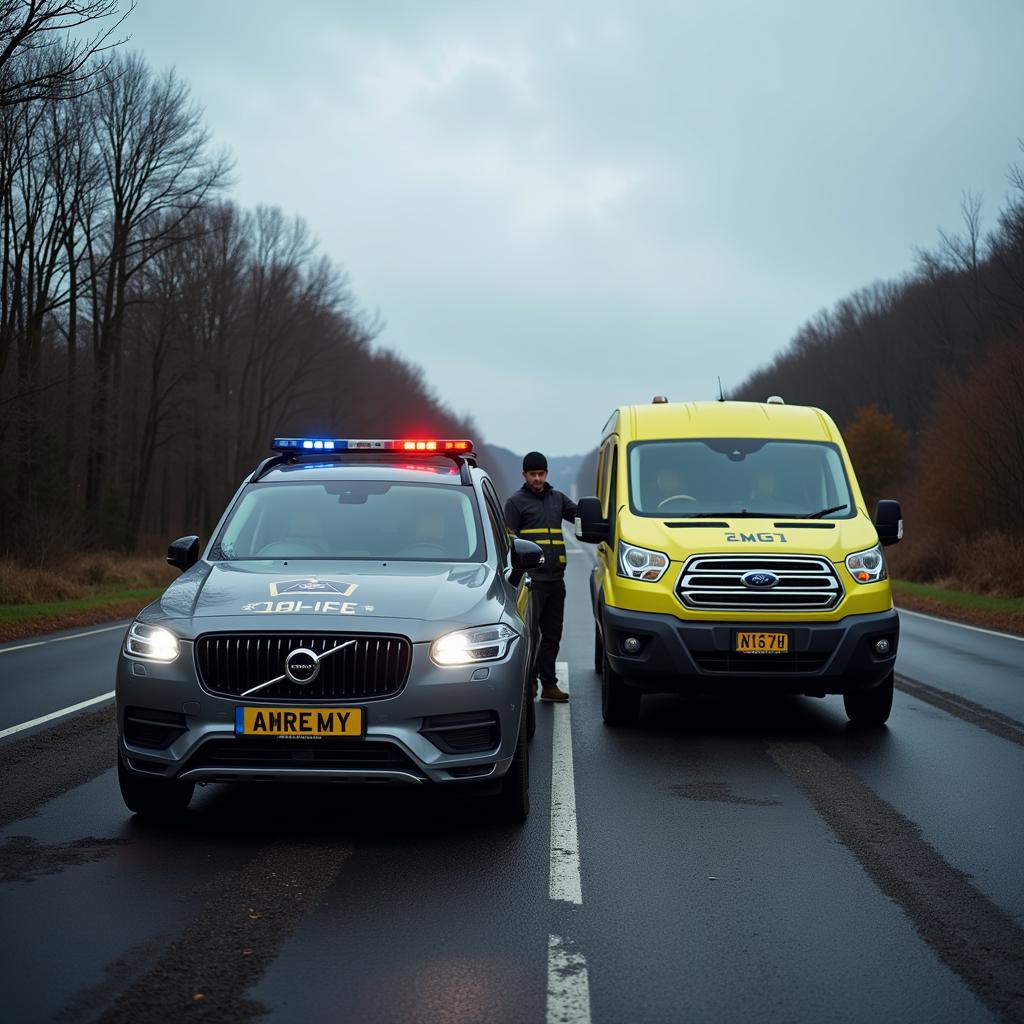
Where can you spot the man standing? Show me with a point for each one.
(535, 512)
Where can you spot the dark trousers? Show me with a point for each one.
(548, 599)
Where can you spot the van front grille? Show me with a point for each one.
(715, 582)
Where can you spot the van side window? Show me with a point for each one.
(613, 489)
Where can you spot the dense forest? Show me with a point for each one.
(925, 377)
(154, 335)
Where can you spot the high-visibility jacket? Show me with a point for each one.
(538, 517)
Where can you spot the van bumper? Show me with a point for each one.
(679, 656)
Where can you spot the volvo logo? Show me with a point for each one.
(302, 666)
(759, 579)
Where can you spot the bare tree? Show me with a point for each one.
(152, 147)
(43, 55)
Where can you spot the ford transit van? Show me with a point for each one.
(735, 553)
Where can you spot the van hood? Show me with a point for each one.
(680, 538)
(408, 597)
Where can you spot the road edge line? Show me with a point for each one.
(11, 730)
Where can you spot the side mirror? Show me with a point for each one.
(183, 553)
(889, 522)
(525, 555)
(590, 526)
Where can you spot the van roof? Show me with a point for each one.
(723, 419)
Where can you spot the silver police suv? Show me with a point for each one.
(361, 614)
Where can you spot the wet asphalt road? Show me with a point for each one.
(723, 861)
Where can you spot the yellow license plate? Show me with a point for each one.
(299, 721)
(762, 643)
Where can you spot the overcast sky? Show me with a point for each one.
(558, 208)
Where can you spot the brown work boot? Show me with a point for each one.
(553, 693)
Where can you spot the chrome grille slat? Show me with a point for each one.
(712, 582)
(228, 665)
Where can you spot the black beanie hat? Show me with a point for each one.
(534, 460)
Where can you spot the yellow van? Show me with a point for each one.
(734, 552)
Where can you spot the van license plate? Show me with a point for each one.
(313, 722)
(762, 643)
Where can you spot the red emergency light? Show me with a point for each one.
(435, 446)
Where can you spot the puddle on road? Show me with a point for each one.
(23, 859)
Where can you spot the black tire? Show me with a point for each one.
(531, 714)
(598, 651)
(153, 798)
(870, 707)
(513, 802)
(620, 704)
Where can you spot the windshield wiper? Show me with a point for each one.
(825, 511)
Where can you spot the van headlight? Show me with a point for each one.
(868, 566)
(152, 643)
(641, 563)
(468, 646)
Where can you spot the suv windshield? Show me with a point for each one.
(723, 476)
(352, 519)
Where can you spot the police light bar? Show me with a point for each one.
(334, 444)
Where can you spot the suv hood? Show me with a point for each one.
(418, 599)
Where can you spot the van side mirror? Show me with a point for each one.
(525, 555)
(183, 553)
(889, 522)
(590, 526)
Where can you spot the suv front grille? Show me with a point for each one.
(806, 583)
(368, 668)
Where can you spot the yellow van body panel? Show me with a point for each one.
(833, 539)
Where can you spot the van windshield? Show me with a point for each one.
(738, 476)
(352, 519)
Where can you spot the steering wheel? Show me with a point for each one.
(676, 497)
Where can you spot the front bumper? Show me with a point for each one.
(198, 741)
(683, 656)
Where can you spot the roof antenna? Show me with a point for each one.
(721, 393)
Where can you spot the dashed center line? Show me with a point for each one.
(568, 997)
(565, 849)
(568, 985)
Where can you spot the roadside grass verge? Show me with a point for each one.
(11, 613)
(958, 598)
(1004, 614)
(88, 590)
(19, 621)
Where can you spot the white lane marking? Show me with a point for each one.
(56, 714)
(57, 639)
(962, 625)
(568, 987)
(565, 848)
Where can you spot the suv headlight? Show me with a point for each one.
(468, 646)
(153, 643)
(868, 566)
(640, 563)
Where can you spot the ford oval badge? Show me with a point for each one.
(759, 579)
